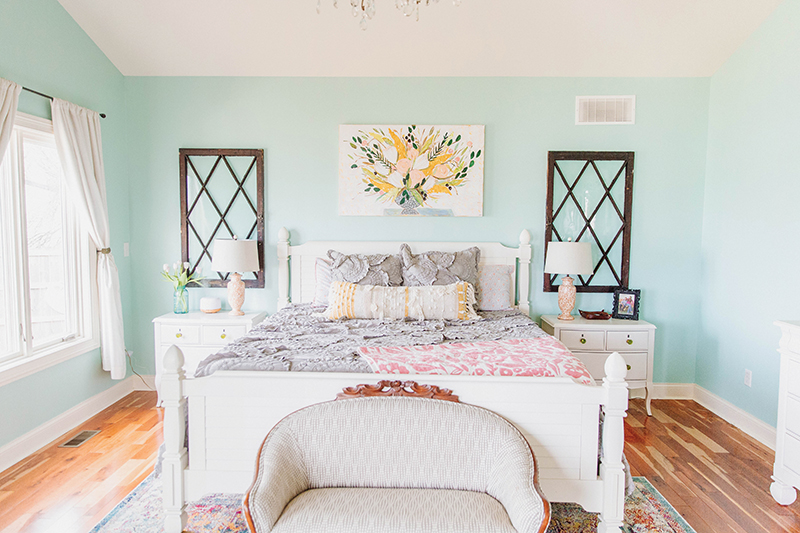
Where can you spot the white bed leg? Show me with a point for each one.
(283, 268)
(524, 272)
(612, 471)
(175, 459)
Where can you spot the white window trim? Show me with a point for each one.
(25, 366)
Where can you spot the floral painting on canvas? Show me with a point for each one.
(411, 170)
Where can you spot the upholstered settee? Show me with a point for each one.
(395, 464)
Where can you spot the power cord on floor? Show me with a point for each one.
(130, 364)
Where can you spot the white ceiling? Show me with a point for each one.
(478, 38)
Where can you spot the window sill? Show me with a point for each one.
(20, 368)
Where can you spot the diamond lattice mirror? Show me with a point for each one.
(589, 199)
(222, 196)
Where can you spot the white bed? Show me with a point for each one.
(230, 412)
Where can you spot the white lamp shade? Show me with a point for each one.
(569, 258)
(231, 255)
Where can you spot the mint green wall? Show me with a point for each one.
(751, 226)
(296, 121)
(42, 47)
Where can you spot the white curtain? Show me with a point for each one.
(77, 135)
(9, 98)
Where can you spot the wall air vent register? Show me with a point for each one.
(599, 110)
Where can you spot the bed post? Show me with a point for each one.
(283, 268)
(175, 460)
(612, 471)
(524, 271)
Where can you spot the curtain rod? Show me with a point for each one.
(102, 115)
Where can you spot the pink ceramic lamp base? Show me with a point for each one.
(236, 294)
(566, 298)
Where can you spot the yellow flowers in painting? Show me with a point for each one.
(411, 170)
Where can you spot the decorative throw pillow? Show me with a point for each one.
(495, 288)
(451, 302)
(377, 269)
(440, 268)
(322, 281)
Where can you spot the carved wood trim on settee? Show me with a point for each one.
(398, 388)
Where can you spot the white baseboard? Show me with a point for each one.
(673, 391)
(21, 447)
(759, 430)
(756, 428)
(146, 382)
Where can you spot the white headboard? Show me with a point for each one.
(303, 260)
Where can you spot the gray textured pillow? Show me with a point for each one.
(440, 268)
(379, 269)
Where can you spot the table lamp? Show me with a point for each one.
(235, 256)
(568, 258)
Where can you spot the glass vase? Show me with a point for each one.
(180, 301)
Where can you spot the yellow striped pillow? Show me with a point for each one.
(451, 302)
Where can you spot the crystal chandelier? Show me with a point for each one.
(365, 9)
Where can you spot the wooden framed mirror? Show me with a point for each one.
(590, 199)
(222, 196)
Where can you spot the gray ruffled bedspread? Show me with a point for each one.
(299, 338)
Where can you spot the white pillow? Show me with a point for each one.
(451, 302)
(495, 288)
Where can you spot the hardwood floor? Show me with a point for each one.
(713, 474)
(66, 490)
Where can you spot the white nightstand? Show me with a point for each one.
(198, 335)
(593, 340)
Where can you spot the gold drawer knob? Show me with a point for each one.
(178, 335)
(629, 366)
(583, 341)
(222, 336)
(629, 341)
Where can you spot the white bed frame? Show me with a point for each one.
(230, 412)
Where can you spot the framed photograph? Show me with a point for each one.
(626, 304)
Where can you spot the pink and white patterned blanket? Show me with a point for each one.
(541, 357)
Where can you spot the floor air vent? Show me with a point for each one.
(605, 110)
(79, 439)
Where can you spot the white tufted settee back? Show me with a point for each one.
(397, 442)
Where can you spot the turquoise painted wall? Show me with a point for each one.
(751, 227)
(296, 121)
(42, 47)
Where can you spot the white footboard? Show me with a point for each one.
(230, 413)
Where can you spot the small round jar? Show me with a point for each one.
(210, 305)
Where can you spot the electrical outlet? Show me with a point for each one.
(748, 378)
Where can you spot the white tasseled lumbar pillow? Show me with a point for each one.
(452, 302)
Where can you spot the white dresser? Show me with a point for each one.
(198, 335)
(592, 341)
(786, 473)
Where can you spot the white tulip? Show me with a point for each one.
(198, 270)
(174, 266)
(166, 267)
(186, 265)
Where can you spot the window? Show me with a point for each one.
(46, 262)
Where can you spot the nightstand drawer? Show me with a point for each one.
(791, 453)
(793, 415)
(793, 378)
(623, 341)
(595, 362)
(583, 340)
(222, 334)
(180, 334)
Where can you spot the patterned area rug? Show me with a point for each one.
(646, 511)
